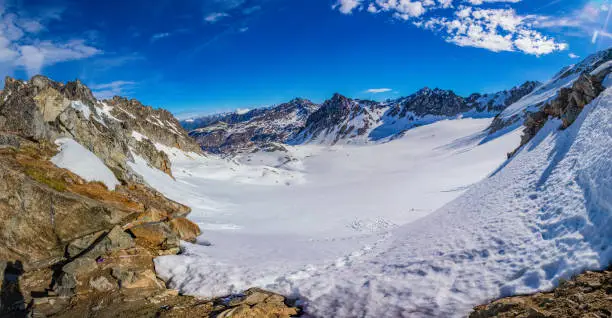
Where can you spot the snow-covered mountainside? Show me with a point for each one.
(440, 223)
(259, 127)
(353, 121)
(343, 120)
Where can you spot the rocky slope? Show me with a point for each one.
(587, 295)
(342, 120)
(70, 247)
(41, 109)
(516, 113)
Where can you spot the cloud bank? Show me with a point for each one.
(466, 23)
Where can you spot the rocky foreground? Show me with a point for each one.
(73, 248)
(587, 295)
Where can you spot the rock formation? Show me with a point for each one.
(73, 248)
(587, 295)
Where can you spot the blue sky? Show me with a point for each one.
(216, 55)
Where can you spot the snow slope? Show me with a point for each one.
(271, 217)
(76, 158)
(544, 215)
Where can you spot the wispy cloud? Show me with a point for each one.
(590, 21)
(159, 36)
(22, 47)
(378, 90)
(573, 56)
(471, 24)
(109, 90)
(215, 17)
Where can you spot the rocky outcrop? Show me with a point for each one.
(71, 248)
(587, 295)
(41, 109)
(552, 91)
(499, 101)
(567, 105)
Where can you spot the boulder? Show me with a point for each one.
(155, 235)
(185, 229)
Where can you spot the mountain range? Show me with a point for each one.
(95, 196)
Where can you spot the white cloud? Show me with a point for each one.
(445, 3)
(493, 29)
(378, 90)
(109, 90)
(573, 56)
(215, 17)
(404, 9)
(496, 30)
(20, 47)
(347, 6)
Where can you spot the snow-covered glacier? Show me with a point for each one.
(541, 216)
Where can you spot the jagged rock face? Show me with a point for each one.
(64, 238)
(159, 125)
(434, 102)
(42, 109)
(568, 103)
(44, 208)
(559, 84)
(338, 118)
(256, 129)
(499, 101)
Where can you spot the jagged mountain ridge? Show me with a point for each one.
(342, 119)
(261, 127)
(114, 130)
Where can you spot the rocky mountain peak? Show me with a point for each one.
(44, 110)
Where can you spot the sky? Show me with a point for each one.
(205, 56)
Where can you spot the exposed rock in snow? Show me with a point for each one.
(515, 114)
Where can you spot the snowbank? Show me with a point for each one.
(84, 163)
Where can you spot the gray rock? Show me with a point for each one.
(80, 266)
(101, 284)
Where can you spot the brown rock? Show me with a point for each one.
(186, 230)
(155, 235)
(568, 300)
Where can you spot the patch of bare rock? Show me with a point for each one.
(587, 295)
